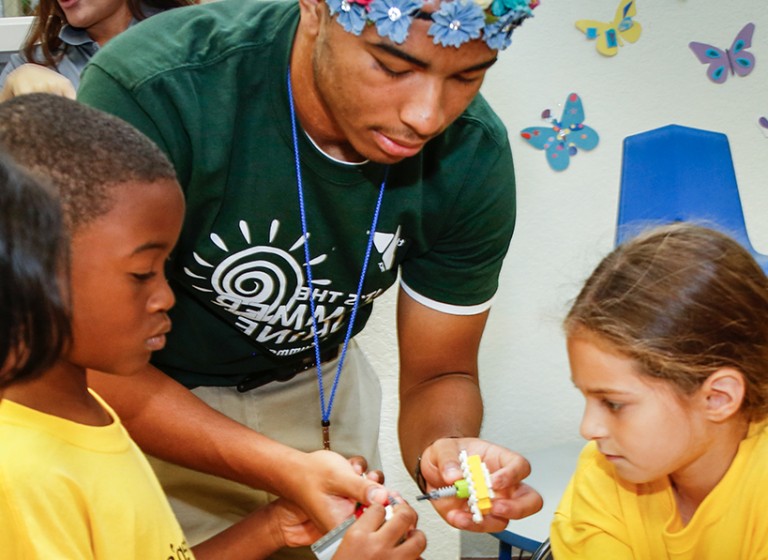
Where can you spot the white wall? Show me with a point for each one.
(12, 32)
(566, 220)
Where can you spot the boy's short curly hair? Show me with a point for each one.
(84, 152)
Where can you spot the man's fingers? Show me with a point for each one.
(359, 463)
(524, 501)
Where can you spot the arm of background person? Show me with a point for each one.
(34, 78)
(168, 421)
(440, 398)
(14, 61)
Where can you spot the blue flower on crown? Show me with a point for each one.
(352, 16)
(498, 34)
(456, 22)
(453, 24)
(393, 17)
(501, 7)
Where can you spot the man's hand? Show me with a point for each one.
(327, 486)
(361, 467)
(34, 78)
(513, 499)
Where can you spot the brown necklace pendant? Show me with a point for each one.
(326, 434)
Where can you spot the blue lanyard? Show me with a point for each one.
(325, 411)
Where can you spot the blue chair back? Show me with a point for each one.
(675, 173)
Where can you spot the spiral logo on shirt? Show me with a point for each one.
(263, 289)
(258, 276)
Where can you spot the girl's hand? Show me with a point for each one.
(373, 538)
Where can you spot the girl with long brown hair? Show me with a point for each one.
(64, 36)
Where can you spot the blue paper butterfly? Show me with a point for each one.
(563, 138)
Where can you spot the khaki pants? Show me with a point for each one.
(289, 413)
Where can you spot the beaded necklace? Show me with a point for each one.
(325, 411)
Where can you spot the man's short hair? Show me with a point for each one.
(84, 152)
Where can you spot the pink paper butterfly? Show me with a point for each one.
(735, 60)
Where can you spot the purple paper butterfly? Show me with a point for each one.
(763, 122)
(735, 60)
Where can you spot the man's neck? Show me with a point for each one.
(311, 112)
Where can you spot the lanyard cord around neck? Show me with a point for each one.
(325, 412)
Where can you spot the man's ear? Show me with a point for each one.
(311, 15)
(723, 392)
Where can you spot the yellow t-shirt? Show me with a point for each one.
(71, 491)
(601, 517)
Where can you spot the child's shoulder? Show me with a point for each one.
(754, 449)
(44, 457)
(759, 430)
(35, 436)
(29, 440)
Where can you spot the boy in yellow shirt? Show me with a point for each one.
(72, 482)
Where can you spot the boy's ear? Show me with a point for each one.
(723, 392)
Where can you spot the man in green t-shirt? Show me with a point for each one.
(327, 149)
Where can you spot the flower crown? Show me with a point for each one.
(455, 23)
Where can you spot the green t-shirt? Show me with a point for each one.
(210, 88)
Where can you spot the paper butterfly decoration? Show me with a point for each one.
(611, 35)
(563, 138)
(763, 122)
(722, 63)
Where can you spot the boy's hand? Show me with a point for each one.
(373, 538)
(513, 499)
(290, 525)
